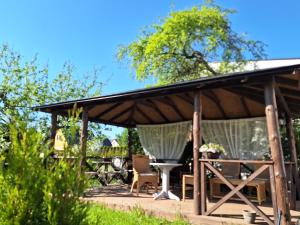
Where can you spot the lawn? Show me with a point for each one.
(101, 215)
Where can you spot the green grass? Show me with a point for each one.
(102, 215)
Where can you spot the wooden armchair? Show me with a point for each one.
(142, 173)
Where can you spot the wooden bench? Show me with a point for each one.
(260, 186)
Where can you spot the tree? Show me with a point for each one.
(122, 139)
(24, 84)
(183, 45)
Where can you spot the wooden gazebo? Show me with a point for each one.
(230, 96)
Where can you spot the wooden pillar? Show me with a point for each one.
(53, 128)
(293, 150)
(196, 144)
(83, 136)
(130, 148)
(130, 143)
(277, 153)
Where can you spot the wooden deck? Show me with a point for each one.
(119, 197)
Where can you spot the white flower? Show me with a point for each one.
(213, 148)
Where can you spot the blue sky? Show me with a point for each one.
(87, 33)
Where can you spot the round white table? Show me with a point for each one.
(165, 169)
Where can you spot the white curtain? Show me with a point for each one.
(165, 141)
(241, 138)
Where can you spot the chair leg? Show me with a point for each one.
(132, 186)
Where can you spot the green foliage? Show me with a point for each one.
(24, 84)
(122, 139)
(110, 152)
(183, 44)
(101, 215)
(20, 196)
(34, 188)
(296, 124)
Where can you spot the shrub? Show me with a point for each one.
(34, 188)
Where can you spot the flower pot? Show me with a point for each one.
(210, 155)
(249, 216)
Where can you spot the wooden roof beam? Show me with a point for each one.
(290, 92)
(168, 101)
(154, 106)
(109, 109)
(121, 113)
(282, 101)
(245, 106)
(186, 99)
(213, 97)
(252, 96)
(130, 117)
(144, 114)
(286, 81)
(296, 72)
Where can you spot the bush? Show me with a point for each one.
(38, 190)
(35, 189)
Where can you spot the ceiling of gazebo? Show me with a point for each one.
(238, 95)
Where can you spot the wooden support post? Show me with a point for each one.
(130, 144)
(130, 148)
(293, 150)
(277, 153)
(196, 145)
(203, 188)
(53, 128)
(83, 136)
(273, 193)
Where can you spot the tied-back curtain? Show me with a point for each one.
(165, 141)
(241, 138)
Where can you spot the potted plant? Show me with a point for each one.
(211, 150)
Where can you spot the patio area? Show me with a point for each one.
(238, 112)
(119, 197)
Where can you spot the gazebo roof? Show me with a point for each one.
(234, 95)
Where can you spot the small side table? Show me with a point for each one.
(165, 169)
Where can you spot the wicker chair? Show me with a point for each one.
(142, 173)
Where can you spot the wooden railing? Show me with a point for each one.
(208, 164)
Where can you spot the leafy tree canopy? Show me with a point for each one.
(122, 139)
(183, 45)
(24, 84)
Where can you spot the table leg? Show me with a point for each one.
(165, 179)
(160, 195)
(172, 196)
(165, 193)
